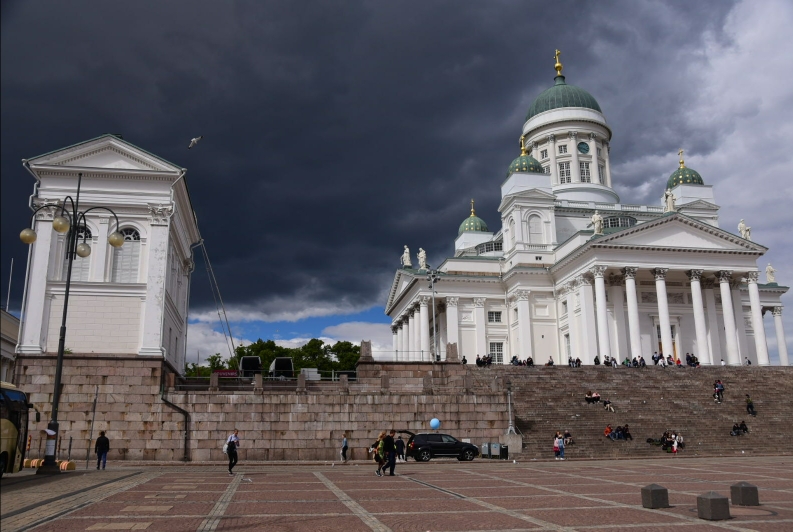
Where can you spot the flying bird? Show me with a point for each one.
(194, 141)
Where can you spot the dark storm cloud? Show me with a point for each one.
(335, 132)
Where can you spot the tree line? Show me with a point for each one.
(341, 356)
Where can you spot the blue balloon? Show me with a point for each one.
(435, 424)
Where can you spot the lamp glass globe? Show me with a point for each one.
(83, 250)
(28, 236)
(116, 239)
(61, 224)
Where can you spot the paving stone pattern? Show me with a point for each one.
(442, 495)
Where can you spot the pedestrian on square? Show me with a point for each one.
(379, 456)
(344, 448)
(557, 448)
(232, 444)
(400, 448)
(101, 449)
(389, 446)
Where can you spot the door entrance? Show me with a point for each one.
(674, 343)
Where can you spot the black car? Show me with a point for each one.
(426, 445)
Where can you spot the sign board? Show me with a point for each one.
(226, 372)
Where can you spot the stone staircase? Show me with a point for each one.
(651, 400)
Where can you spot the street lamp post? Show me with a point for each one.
(433, 277)
(70, 222)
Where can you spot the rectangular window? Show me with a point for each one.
(600, 152)
(585, 176)
(562, 148)
(546, 169)
(497, 352)
(564, 308)
(564, 173)
(543, 154)
(602, 174)
(494, 317)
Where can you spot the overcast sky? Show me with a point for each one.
(337, 132)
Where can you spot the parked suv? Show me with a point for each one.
(426, 445)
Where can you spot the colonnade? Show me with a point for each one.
(706, 329)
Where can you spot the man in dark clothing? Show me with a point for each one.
(389, 447)
(750, 406)
(101, 448)
(400, 448)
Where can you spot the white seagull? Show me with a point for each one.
(194, 141)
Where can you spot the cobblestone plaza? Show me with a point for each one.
(574, 496)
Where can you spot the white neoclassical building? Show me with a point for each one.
(128, 302)
(574, 272)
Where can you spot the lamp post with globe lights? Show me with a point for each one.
(70, 220)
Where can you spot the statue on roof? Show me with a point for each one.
(669, 201)
(406, 258)
(422, 256)
(597, 222)
(745, 230)
(769, 274)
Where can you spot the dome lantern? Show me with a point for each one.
(561, 95)
(683, 175)
(524, 162)
(473, 223)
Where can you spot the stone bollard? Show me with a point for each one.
(301, 382)
(384, 383)
(258, 382)
(451, 352)
(214, 382)
(744, 494)
(713, 507)
(426, 383)
(655, 496)
(468, 383)
(344, 384)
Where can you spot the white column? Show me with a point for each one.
(574, 168)
(589, 341)
(572, 325)
(663, 311)
(552, 154)
(703, 354)
(34, 320)
(524, 325)
(633, 311)
(780, 337)
(534, 151)
(417, 334)
(425, 328)
(740, 318)
(593, 166)
(606, 161)
(733, 358)
(619, 338)
(604, 344)
(395, 341)
(760, 345)
(153, 307)
(453, 326)
(398, 350)
(411, 347)
(714, 337)
(481, 326)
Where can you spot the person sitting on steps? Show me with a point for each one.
(607, 405)
(743, 427)
(607, 431)
(736, 430)
(626, 433)
(592, 397)
(568, 438)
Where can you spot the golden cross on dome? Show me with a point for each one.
(680, 153)
(522, 145)
(472, 207)
(558, 65)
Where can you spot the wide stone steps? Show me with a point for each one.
(651, 400)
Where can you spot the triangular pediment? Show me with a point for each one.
(105, 152)
(678, 231)
(402, 280)
(700, 204)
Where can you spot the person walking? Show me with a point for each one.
(232, 444)
(400, 448)
(750, 406)
(103, 446)
(390, 448)
(344, 448)
(379, 455)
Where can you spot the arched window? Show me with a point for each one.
(512, 234)
(127, 258)
(535, 230)
(81, 266)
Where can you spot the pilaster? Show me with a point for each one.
(480, 322)
(524, 324)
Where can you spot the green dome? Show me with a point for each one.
(525, 163)
(473, 224)
(562, 95)
(684, 176)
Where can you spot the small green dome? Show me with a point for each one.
(525, 163)
(684, 176)
(473, 223)
(562, 95)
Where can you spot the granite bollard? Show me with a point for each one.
(655, 496)
(744, 494)
(713, 506)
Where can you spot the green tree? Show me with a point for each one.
(216, 362)
(346, 355)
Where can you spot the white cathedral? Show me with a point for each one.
(575, 273)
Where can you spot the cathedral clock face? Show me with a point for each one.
(583, 147)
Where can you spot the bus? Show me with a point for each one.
(13, 427)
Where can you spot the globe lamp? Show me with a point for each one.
(116, 239)
(61, 224)
(28, 236)
(83, 250)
